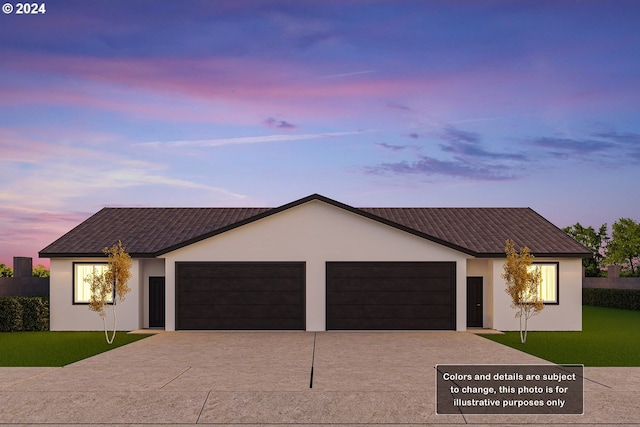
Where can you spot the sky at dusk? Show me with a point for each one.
(372, 103)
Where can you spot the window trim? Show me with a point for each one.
(557, 265)
(73, 281)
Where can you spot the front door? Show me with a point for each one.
(474, 302)
(156, 302)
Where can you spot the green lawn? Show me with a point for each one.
(55, 348)
(609, 337)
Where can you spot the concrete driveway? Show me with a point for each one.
(265, 378)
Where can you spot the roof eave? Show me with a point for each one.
(90, 255)
(580, 255)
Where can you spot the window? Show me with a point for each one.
(81, 286)
(548, 290)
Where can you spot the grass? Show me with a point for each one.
(55, 348)
(609, 337)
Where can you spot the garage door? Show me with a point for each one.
(391, 295)
(240, 295)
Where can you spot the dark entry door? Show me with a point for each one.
(156, 302)
(474, 301)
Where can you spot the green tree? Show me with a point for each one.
(595, 241)
(110, 286)
(5, 271)
(40, 271)
(522, 282)
(624, 247)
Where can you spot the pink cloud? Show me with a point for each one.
(16, 147)
(40, 145)
(25, 231)
(242, 90)
(218, 84)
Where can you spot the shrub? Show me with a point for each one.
(35, 313)
(628, 299)
(10, 315)
(24, 314)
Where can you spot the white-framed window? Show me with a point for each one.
(81, 286)
(548, 289)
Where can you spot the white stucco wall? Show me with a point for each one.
(66, 316)
(315, 233)
(565, 316)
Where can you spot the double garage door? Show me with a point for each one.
(240, 295)
(390, 295)
(359, 295)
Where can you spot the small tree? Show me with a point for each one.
(522, 285)
(110, 285)
(595, 241)
(624, 247)
(40, 271)
(5, 271)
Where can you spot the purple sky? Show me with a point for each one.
(373, 103)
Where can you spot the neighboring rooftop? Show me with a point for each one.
(150, 232)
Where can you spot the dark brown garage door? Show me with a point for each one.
(391, 295)
(240, 295)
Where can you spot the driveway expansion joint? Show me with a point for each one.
(313, 358)
(204, 404)
(53, 369)
(175, 378)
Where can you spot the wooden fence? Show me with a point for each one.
(22, 284)
(613, 281)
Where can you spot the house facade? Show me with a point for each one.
(316, 264)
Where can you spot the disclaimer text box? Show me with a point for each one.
(509, 389)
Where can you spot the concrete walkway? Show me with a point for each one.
(255, 378)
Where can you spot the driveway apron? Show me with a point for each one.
(255, 378)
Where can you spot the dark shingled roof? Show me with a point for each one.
(483, 231)
(150, 232)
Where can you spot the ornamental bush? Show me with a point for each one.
(24, 314)
(10, 315)
(35, 313)
(628, 299)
